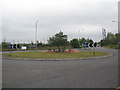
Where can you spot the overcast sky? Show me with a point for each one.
(74, 17)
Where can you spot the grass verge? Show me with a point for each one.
(113, 46)
(43, 55)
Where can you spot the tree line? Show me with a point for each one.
(59, 42)
(112, 40)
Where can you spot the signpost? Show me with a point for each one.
(23, 47)
(94, 51)
(93, 45)
(85, 45)
(14, 46)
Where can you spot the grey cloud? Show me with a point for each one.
(21, 26)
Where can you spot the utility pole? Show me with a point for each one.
(36, 33)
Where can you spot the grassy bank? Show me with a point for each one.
(113, 46)
(43, 55)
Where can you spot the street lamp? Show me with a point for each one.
(116, 21)
(79, 37)
(79, 31)
(36, 33)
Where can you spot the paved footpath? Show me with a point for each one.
(90, 73)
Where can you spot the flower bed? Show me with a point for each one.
(70, 51)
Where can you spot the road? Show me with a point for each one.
(90, 73)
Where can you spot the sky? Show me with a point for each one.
(75, 18)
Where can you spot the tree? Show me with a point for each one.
(83, 40)
(59, 40)
(32, 43)
(117, 35)
(111, 39)
(5, 45)
(40, 44)
(74, 43)
(90, 41)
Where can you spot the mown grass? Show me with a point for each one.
(113, 46)
(43, 55)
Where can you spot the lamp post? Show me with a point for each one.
(79, 36)
(79, 31)
(116, 21)
(36, 33)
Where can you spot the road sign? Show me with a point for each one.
(23, 47)
(91, 45)
(18, 46)
(95, 44)
(14, 46)
(85, 45)
(10, 46)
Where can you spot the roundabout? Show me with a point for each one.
(50, 55)
(90, 73)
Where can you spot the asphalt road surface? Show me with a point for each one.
(90, 73)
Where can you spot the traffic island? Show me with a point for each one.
(40, 55)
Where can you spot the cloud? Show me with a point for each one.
(20, 16)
